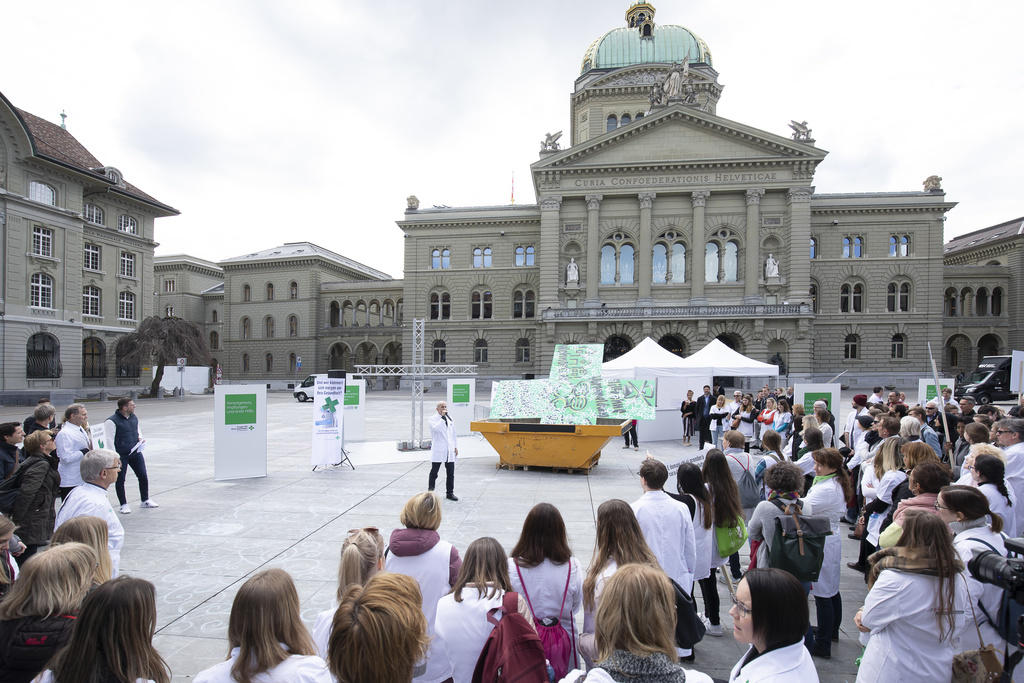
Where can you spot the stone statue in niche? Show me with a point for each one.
(572, 272)
(771, 266)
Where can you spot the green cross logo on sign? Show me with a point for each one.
(329, 404)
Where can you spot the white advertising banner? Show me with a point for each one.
(355, 410)
(328, 420)
(461, 399)
(1017, 372)
(239, 431)
(926, 390)
(100, 437)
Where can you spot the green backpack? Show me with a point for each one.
(730, 538)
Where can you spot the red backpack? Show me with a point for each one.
(512, 651)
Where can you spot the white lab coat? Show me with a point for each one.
(997, 503)
(70, 441)
(443, 439)
(904, 644)
(781, 665)
(826, 499)
(545, 586)
(295, 669)
(890, 480)
(599, 675)
(91, 500)
(668, 530)
(967, 543)
(1015, 477)
(464, 627)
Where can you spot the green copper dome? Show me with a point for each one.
(626, 47)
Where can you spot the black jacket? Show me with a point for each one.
(704, 404)
(27, 644)
(8, 459)
(33, 508)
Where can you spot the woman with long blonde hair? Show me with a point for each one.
(268, 641)
(92, 531)
(362, 556)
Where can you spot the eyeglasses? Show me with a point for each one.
(1004, 431)
(940, 507)
(740, 607)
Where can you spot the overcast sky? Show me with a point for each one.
(268, 122)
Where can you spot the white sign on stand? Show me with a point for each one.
(355, 409)
(328, 420)
(926, 390)
(807, 394)
(239, 431)
(1017, 371)
(100, 437)
(460, 399)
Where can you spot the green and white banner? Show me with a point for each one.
(328, 420)
(355, 409)
(239, 431)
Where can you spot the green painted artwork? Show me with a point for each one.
(239, 409)
(575, 392)
(460, 393)
(351, 394)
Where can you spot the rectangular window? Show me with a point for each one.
(42, 241)
(91, 301)
(126, 306)
(127, 264)
(168, 286)
(91, 258)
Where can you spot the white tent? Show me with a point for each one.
(646, 359)
(718, 359)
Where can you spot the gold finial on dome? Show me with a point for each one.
(640, 16)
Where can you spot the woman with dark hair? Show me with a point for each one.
(771, 444)
(725, 510)
(988, 474)
(769, 613)
(33, 509)
(812, 441)
(915, 605)
(543, 570)
(783, 419)
(694, 494)
(112, 639)
(827, 498)
(267, 640)
(688, 410)
(784, 482)
(462, 614)
(747, 415)
(619, 542)
(926, 480)
(967, 512)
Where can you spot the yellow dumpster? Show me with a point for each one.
(526, 442)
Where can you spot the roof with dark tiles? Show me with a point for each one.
(977, 238)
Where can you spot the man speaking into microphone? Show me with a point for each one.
(443, 450)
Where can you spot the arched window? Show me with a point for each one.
(814, 247)
(522, 350)
(245, 362)
(858, 247)
(91, 300)
(731, 261)
(94, 358)
(42, 193)
(293, 326)
(904, 302)
(41, 291)
(851, 298)
(890, 297)
(246, 328)
(335, 314)
(126, 306)
(711, 262)
(43, 357)
(626, 257)
(981, 302)
(812, 293)
(612, 123)
(291, 363)
(951, 302)
(659, 263)
(481, 305)
(894, 246)
(851, 347)
(214, 340)
(482, 257)
(522, 304)
(269, 360)
(435, 259)
(246, 293)
(440, 352)
(213, 316)
(480, 351)
(440, 306)
(678, 262)
(270, 291)
(899, 347)
(93, 214)
(127, 224)
(846, 247)
(608, 265)
(525, 256)
(624, 119)
(293, 290)
(858, 298)
(997, 301)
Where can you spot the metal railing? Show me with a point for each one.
(703, 311)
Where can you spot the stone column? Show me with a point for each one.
(593, 274)
(798, 276)
(752, 262)
(550, 263)
(645, 269)
(698, 199)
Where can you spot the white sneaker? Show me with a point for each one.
(149, 503)
(714, 630)
(125, 509)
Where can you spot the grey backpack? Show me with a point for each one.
(750, 492)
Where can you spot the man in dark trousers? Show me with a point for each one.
(704, 403)
(129, 445)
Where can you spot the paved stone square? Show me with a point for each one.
(208, 537)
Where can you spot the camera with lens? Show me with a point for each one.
(1006, 573)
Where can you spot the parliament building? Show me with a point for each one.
(654, 217)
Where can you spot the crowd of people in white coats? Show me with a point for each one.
(413, 608)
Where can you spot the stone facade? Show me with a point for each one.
(78, 245)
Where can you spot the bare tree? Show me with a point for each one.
(162, 341)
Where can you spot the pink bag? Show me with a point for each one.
(558, 645)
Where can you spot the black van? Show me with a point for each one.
(989, 382)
